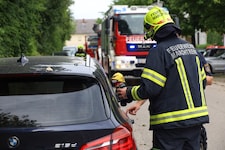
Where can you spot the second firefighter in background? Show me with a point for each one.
(118, 81)
(80, 51)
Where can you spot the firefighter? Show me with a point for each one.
(118, 81)
(209, 80)
(173, 80)
(209, 77)
(80, 52)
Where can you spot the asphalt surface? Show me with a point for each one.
(215, 96)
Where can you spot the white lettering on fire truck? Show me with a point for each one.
(138, 39)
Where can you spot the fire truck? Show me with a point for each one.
(123, 48)
(91, 45)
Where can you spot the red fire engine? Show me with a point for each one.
(123, 48)
(91, 45)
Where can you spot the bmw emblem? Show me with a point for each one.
(13, 142)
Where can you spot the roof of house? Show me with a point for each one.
(84, 26)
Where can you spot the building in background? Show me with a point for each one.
(200, 37)
(83, 29)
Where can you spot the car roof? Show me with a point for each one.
(215, 47)
(49, 64)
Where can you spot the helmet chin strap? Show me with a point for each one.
(147, 36)
(149, 33)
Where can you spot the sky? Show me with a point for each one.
(89, 9)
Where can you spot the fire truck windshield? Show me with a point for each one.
(130, 24)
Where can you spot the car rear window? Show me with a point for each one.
(50, 101)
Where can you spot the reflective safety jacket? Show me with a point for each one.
(172, 80)
(80, 54)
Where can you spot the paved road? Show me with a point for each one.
(215, 95)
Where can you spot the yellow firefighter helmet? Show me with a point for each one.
(81, 47)
(118, 77)
(154, 19)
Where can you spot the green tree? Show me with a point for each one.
(214, 38)
(214, 17)
(34, 27)
(56, 26)
(198, 14)
(18, 29)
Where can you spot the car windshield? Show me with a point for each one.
(214, 52)
(50, 101)
(70, 49)
(131, 24)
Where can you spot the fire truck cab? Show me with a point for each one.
(123, 47)
(91, 45)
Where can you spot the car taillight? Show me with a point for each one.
(120, 139)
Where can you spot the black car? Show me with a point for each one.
(60, 102)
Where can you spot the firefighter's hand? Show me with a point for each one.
(135, 107)
(121, 92)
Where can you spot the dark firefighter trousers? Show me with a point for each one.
(180, 139)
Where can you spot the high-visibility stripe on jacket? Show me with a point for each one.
(80, 54)
(172, 80)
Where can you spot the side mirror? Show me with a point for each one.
(95, 28)
(107, 23)
(116, 18)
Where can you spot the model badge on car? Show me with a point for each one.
(13, 142)
(65, 145)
